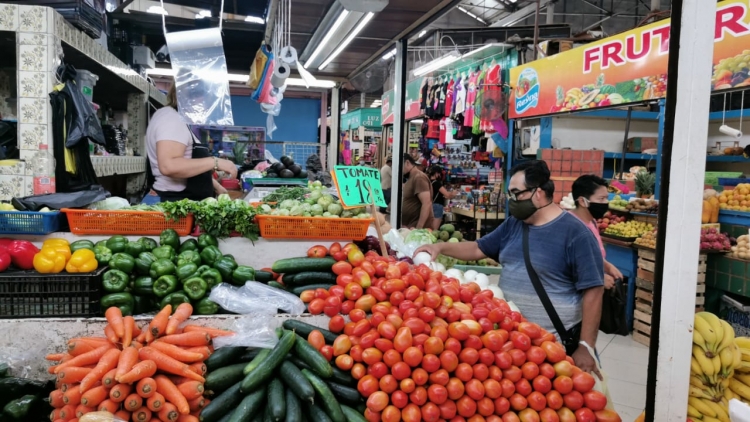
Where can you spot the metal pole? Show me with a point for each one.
(333, 151)
(677, 245)
(323, 129)
(399, 138)
(550, 13)
(625, 143)
(536, 30)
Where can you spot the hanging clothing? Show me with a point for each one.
(430, 100)
(471, 95)
(491, 89)
(477, 105)
(433, 129)
(423, 96)
(449, 98)
(454, 99)
(460, 102)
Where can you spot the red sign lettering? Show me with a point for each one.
(645, 43)
(612, 52)
(730, 19)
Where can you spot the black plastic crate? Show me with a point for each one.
(28, 294)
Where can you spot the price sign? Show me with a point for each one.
(354, 184)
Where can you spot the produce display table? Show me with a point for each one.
(478, 216)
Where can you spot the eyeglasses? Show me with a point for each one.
(514, 195)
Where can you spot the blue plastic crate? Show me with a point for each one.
(26, 222)
(723, 181)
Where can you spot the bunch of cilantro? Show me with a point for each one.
(217, 217)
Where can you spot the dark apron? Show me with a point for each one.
(197, 188)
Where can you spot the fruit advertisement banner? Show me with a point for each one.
(627, 68)
(411, 107)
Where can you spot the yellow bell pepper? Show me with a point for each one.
(56, 241)
(61, 249)
(49, 261)
(82, 261)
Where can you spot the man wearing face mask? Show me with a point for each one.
(564, 262)
(592, 202)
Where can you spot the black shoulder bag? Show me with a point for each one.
(570, 338)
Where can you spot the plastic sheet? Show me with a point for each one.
(256, 298)
(201, 76)
(738, 411)
(250, 331)
(21, 360)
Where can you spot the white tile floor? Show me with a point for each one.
(625, 362)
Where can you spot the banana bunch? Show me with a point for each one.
(744, 345)
(574, 95)
(739, 384)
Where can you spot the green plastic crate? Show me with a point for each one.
(480, 269)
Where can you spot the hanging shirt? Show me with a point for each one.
(433, 129)
(491, 92)
(443, 130)
(456, 87)
(477, 104)
(471, 95)
(449, 98)
(450, 126)
(423, 96)
(460, 102)
(441, 100)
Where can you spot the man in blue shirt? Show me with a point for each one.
(563, 252)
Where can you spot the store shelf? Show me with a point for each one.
(156, 95)
(734, 217)
(729, 115)
(113, 165)
(613, 114)
(727, 159)
(630, 156)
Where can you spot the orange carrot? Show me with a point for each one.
(192, 339)
(175, 352)
(181, 314)
(123, 414)
(141, 370)
(107, 363)
(173, 395)
(72, 397)
(132, 402)
(187, 418)
(142, 415)
(197, 403)
(65, 387)
(68, 412)
(55, 414)
(141, 338)
(82, 410)
(205, 351)
(109, 381)
(119, 392)
(82, 345)
(146, 387)
(73, 374)
(52, 369)
(149, 337)
(94, 396)
(168, 364)
(199, 368)
(155, 402)
(109, 406)
(127, 338)
(191, 389)
(159, 324)
(110, 333)
(114, 318)
(56, 399)
(168, 413)
(177, 380)
(136, 344)
(87, 358)
(128, 359)
(55, 357)
(213, 332)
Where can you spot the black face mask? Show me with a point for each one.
(598, 210)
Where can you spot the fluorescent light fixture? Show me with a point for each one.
(318, 83)
(472, 15)
(203, 14)
(360, 26)
(416, 121)
(437, 63)
(421, 34)
(389, 54)
(327, 37)
(157, 10)
(472, 52)
(255, 19)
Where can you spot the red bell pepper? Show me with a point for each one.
(4, 242)
(22, 254)
(4, 259)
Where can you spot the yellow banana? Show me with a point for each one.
(729, 394)
(710, 419)
(721, 412)
(743, 367)
(743, 378)
(742, 342)
(745, 353)
(739, 388)
(706, 364)
(716, 326)
(726, 356)
(728, 338)
(702, 407)
(695, 367)
(700, 393)
(705, 330)
(716, 360)
(698, 340)
(694, 413)
(697, 382)
(737, 355)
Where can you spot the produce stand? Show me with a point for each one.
(276, 182)
(478, 216)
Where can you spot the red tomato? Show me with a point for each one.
(367, 339)
(411, 413)
(448, 410)
(508, 387)
(400, 371)
(316, 339)
(430, 363)
(388, 384)
(466, 407)
(492, 389)
(377, 293)
(377, 401)
(440, 377)
(542, 384)
(503, 360)
(327, 352)
(371, 416)
(420, 376)
(594, 400)
(426, 314)
(537, 401)
(365, 303)
(530, 329)
(475, 389)
(317, 251)
(607, 416)
(430, 412)
(341, 267)
(554, 400)
(367, 385)
(390, 414)
(437, 393)
(418, 396)
(344, 362)
(530, 370)
(414, 357)
(536, 354)
(469, 355)
(453, 345)
(583, 382)
(496, 373)
(464, 372)
(523, 387)
(513, 373)
(547, 370)
(486, 357)
(564, 368)
(518, 402)
(339, 256)
(387, 330)
(391, 357)
(419, 340)
(555, 351)
(455, 388)
(566, 415)
(358, 371)
(434, 345)
(369, 268)
(399, 399)
(372, 355)
(416, 325)
(573, 400)
(403, 267)
(335, 247)
(307, 296)
(341, 345)
(548, 415)
(520, 340)
(459, 331)
(353, 291)
(485, 407)
(502, 405)
(392, 272)
(336, 324)
(448, 360)
(316, 306)
(518, 356)
(407, 385)
(412, 293)
(396, 298)
(402, 340)
(585, 415)
(563, 384)
(481, 372)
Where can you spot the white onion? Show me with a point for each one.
(497, 292)
(422, 258)
(482, 280)
(513, 307)
(457, 274)
(470, 275)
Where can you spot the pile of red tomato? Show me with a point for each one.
(424, 348)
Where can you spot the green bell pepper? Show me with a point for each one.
(202, 269)
(161, 267)
(148, 243)
(18, 409)
(206, 240)
(226, 267)
(81, 244)
(134, 249)
(186, 271)
(143, 263)
(169, 237)
(165, 285)
(101, 243)
(211, 276)
(102, 254)
(195, 288)
(164, 252)
(115, 281)
(117, 244)
(189, 257)
(242, 274)
(175, 299)
(210, 255)
(206, 306)
(189, 245)
(143, 285)
(124, 301)
(123, 262)
(143, 304)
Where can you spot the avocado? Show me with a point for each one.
(302, 174)
(286, 174)
(447, 228)
(457, 235)
(444, 235)
(295, 169)
(277, 167)
(288, 162)
(272, 175)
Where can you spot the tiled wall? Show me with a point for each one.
(729, 274)
(567, 165)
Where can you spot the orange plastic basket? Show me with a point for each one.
(125, 222)
(280, 227)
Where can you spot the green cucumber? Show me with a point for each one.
(343, 377)
(352, 415)
(276, 401)
(314, 277)
(345, 394)
(249, 406)
(249, 355)
(297, 383)
(256, 361)
(297, 290)
(258, 417)
(220, 379)
(328, 400)
(229, 399)
(225, 418)
(304, 329)
(287, 279)
(316, 414)
(263, 276)
(300, 265)
(223, 357)
(312, 357)
(276, 285)
(293, 407)
(267, 414)
(265, 369)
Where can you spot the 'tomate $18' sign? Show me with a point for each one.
(627, 68)
(354, 184)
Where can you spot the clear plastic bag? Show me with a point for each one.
(738, 411)
(250, 331)
(22, 361)
(285, 301)
(255, 298)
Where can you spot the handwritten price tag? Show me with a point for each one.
(355, 183)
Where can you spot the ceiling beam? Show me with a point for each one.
(521, 14)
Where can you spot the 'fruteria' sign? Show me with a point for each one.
(354, 184)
